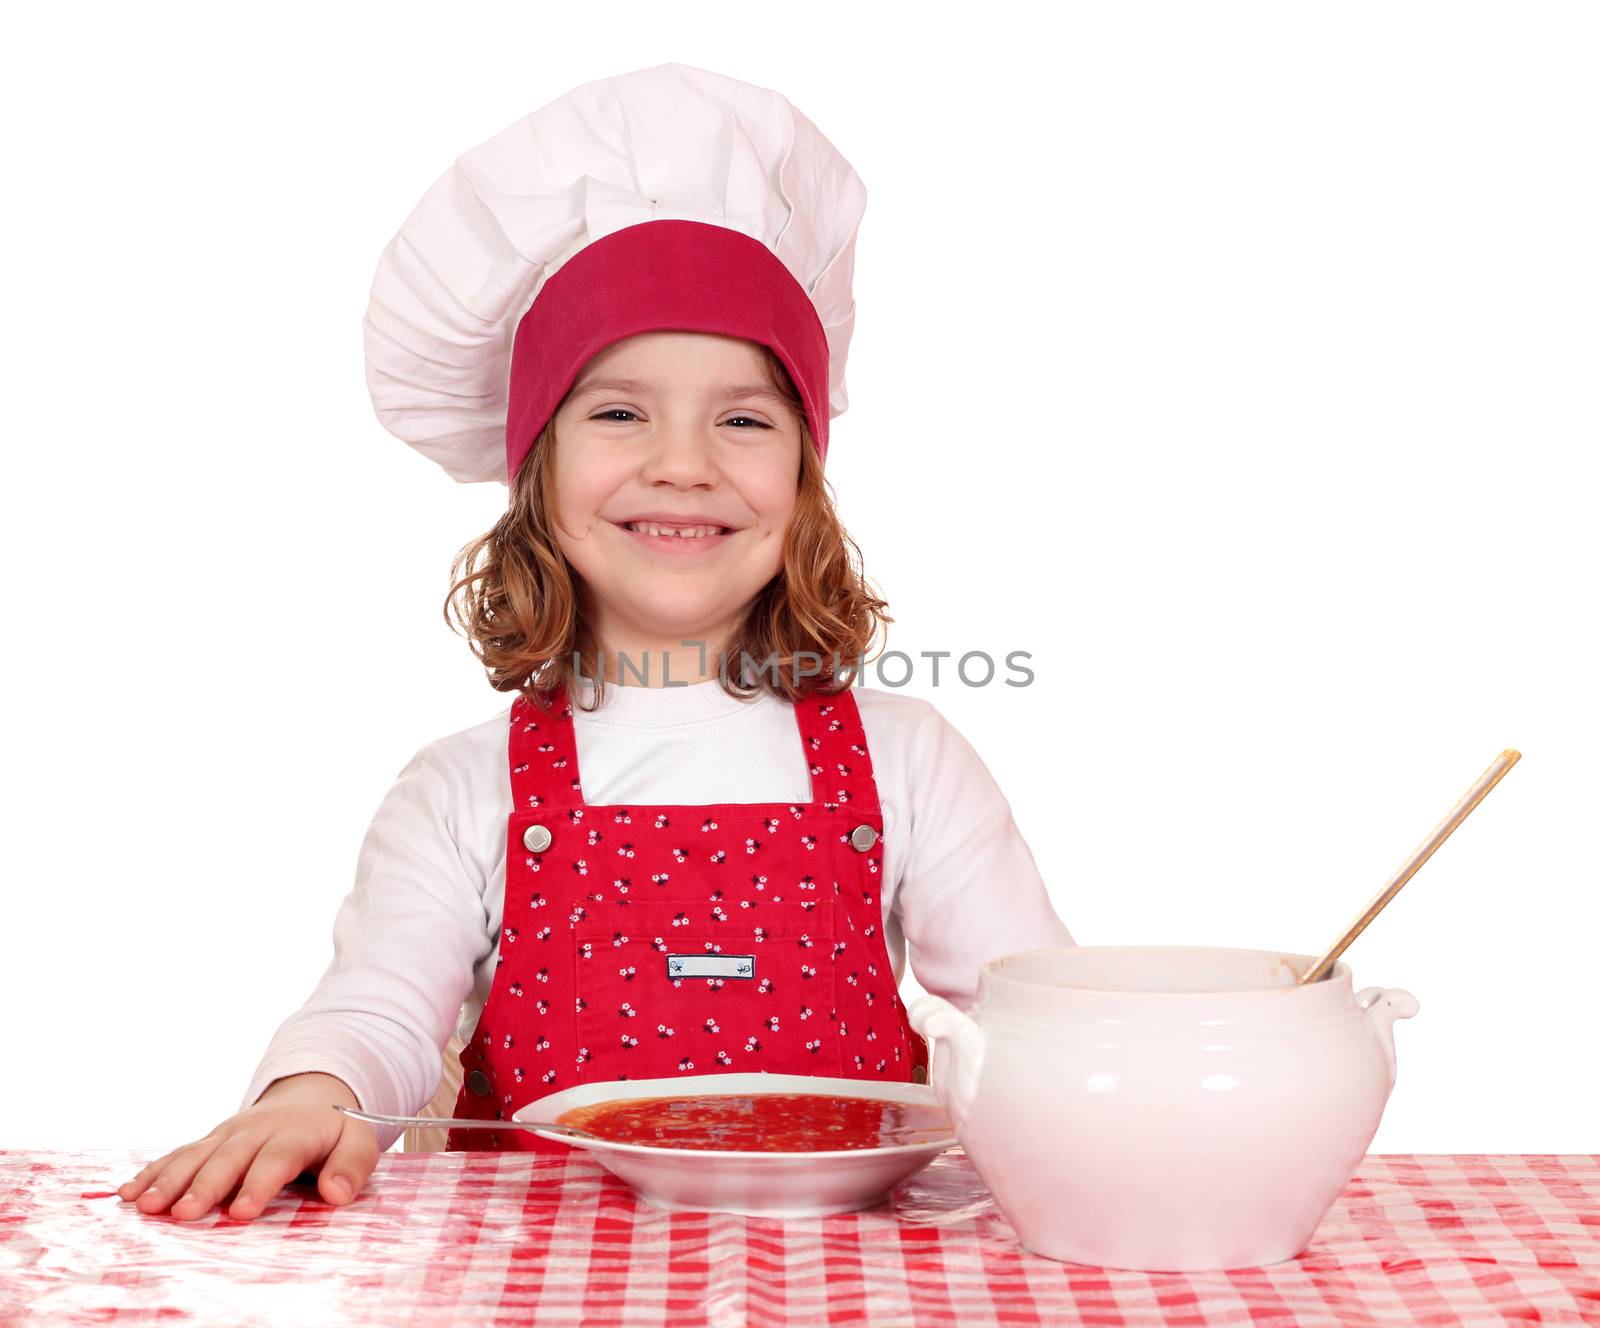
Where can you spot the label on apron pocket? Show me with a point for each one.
(746, 996)
(711, 966)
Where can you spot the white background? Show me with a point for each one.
(1238, 361)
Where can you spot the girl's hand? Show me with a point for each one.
(291, 1128)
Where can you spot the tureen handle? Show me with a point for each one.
(1383, 1006)
(957, 1079)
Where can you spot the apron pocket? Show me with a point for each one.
(664, 988)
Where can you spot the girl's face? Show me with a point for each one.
(675, 472)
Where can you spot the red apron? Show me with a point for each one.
(645, 942)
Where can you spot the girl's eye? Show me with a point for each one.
(623, 410)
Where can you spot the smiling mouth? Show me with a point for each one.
(677, 532)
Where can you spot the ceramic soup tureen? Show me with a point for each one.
(1164, 1108)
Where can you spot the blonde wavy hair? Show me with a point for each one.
(516, 599)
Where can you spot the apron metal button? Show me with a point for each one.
(478, 1084)
(536, 838)
(862, 838)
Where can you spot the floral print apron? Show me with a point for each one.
(647, 942)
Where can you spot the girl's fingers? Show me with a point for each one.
(350, 1162)
(219, 1174)
(174, 1177)
(278, 1163)
(249, 1158)
(130, 1190)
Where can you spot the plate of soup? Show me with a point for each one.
(769, 1145)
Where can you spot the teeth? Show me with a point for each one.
(682, 532)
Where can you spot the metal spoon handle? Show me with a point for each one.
(437, 1122)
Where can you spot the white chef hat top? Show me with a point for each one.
(667, 143)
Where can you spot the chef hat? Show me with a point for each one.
(665, 198)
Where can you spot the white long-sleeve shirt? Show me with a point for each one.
(416, 940)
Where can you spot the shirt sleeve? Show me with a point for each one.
(970, 891)
(405, 943)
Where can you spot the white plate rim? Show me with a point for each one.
(801, 1084)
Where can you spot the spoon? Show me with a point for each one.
(437, 1122)
(1408, 869)
(904, 1136)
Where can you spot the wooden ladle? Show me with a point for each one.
(1408, 869)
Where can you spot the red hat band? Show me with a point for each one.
(658, 276)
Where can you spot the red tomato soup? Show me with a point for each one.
(762, 1122)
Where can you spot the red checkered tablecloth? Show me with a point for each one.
(484, 1239)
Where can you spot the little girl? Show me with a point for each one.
(689, 845)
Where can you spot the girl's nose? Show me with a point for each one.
(679, 454)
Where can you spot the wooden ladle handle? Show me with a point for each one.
(1408, 869)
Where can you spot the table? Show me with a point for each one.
(481, 1239)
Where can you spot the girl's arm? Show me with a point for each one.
(969, 890)
(406, 941)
